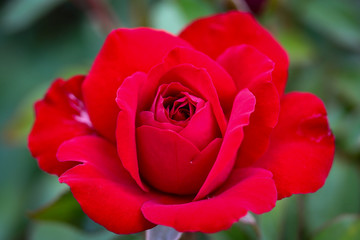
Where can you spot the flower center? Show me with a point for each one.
(180, 107)
(175, 104)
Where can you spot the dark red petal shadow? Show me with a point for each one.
(103, 188)
(59, 117)
(301, 147)
(124, 52)
(213, 35)
(247, 189)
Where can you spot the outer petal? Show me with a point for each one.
(213, 35)
(125, 52)
(245, 190)
(262, 122)
(59, 116)
(127, 100)
(244, 105)
(245, 64)
(301, 147)
(251, 69)
(105, 191)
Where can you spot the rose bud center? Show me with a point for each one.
(177, 149)
(179, 108)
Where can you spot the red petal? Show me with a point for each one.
(244, 105)
(184, 74)
(105, 191)
(262, 122)
(169, 162)
(202, 128)
(59, 117)
(245, 64)
(245, 190)
(147, 118)
(251, 69)
(301, 147)
(127, 99)
(213, 35)
(125, 52)
(223, 83)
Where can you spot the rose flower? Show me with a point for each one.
(189, 131)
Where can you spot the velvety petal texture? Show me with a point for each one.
(60, 116)
(301, 147)
(243, 106)
(105, 191)
(222, 31)
(190, 131)
(123, 53)
(127, 99)
(258, 79)
(246, 190)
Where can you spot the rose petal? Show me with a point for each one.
(184, 74)
(245, 64)
(258, 78)
(235, 28)
(104, 190)
(223, 83)
(169, 94)
(124, 52)
(202, 128)
(59, 117)
(244, 105)
(127, 99)
(262, 122)
(301, 147)
(171, 163)
(246, 190)
(147, 118)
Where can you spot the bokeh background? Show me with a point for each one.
(41, 40)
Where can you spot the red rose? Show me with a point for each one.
(189, 131)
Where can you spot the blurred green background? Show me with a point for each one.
(41, 40)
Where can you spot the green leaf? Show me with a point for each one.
(297, 45)
(65, 209)
(245, 229)
(338, 20)
(346, 227)
(195, 9)
(340, 194)
(60, 231)
(281, 222)
(19, 14)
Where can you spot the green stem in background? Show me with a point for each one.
(301, 217)
(100, 13)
